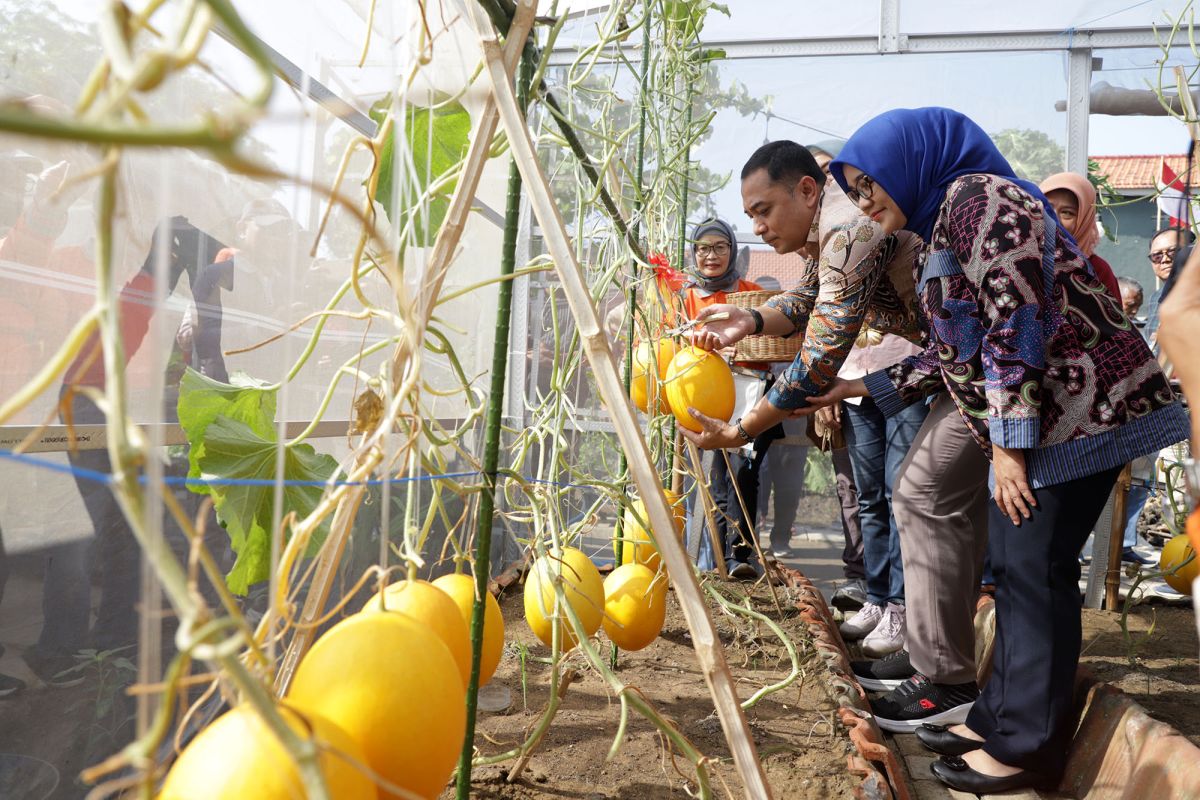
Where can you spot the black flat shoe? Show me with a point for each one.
(940, 740)
(954, 772)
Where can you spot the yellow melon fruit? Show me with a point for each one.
(635, 606)
(394, 687)
(1176, 552)
(582, 586)
(237, 756)
(636, 546)
(701, 380)
(432, 607)
(642, 382)
(461, 589)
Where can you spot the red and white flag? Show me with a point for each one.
(1173, 200)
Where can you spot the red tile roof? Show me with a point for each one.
(1140, 172)
(785, 268)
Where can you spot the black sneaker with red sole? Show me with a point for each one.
(919, 700)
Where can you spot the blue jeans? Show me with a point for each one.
(877, 445)
(1134, 503)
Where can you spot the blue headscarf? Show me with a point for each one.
(914, 154)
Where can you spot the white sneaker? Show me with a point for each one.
(862, 623)
(888, 636)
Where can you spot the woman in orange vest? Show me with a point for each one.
(714, 246)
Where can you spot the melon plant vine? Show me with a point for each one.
(617, 137)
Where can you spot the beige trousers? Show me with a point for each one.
(940, 503)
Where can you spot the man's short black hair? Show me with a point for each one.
(1185, 236)
(785, 162)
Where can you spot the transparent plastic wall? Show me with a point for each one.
(813, 99)
(75, 599)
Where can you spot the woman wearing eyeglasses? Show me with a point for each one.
(716, 276)
(1057, 387)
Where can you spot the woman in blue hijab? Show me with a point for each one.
(1056, 386)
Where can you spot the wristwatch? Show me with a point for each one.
(746, 437)
(758, 321)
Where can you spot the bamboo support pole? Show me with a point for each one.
(1112, 578)
(751, 528)
(596, 346)
(631, 290)
(710, 511)
(455, 221)
(322, 584)
(486, 517)
(443, 251)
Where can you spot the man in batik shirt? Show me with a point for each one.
(855, 275)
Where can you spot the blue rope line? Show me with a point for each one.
(171, 480)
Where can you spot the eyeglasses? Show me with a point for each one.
(864, 186)
(1161, 256)
(705, 250)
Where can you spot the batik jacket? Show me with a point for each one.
(860, 276)
(1035, 352)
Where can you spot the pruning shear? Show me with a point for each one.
(695, 323)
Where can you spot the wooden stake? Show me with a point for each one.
(752, 528)
(446, 244)
(318, 591)
(596, 348)
(1116, 539)
(443, 252)
(710, 511)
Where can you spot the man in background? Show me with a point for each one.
(1164, 252)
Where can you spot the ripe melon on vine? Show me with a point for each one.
(636, 546)
(394, 687)
(701, 380)
(644, 379)
(635, 606)
(582, 586)
(237, 756)
(1175, 555)
(461, 589)
(432, 607)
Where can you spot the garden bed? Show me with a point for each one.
(801, 743)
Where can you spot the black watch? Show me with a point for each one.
(758, 321)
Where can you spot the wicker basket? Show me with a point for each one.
(763, 348)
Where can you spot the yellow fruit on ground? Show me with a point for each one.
(701, 380)
(393, 686)
(237, 756)
(461, 589)
(1175, 552)
(642, 382)
(636, 546)
(432, 607)
(583, 589)
(635, 606)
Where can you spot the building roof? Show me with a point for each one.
(786, 268)
(1140, 172)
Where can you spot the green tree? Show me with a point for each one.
(1033, 154)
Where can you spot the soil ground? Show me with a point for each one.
(1155, 664)
(804, 754)
(72, 728)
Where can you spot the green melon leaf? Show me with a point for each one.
(437, 140)
(235, 450)
(202, 400)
